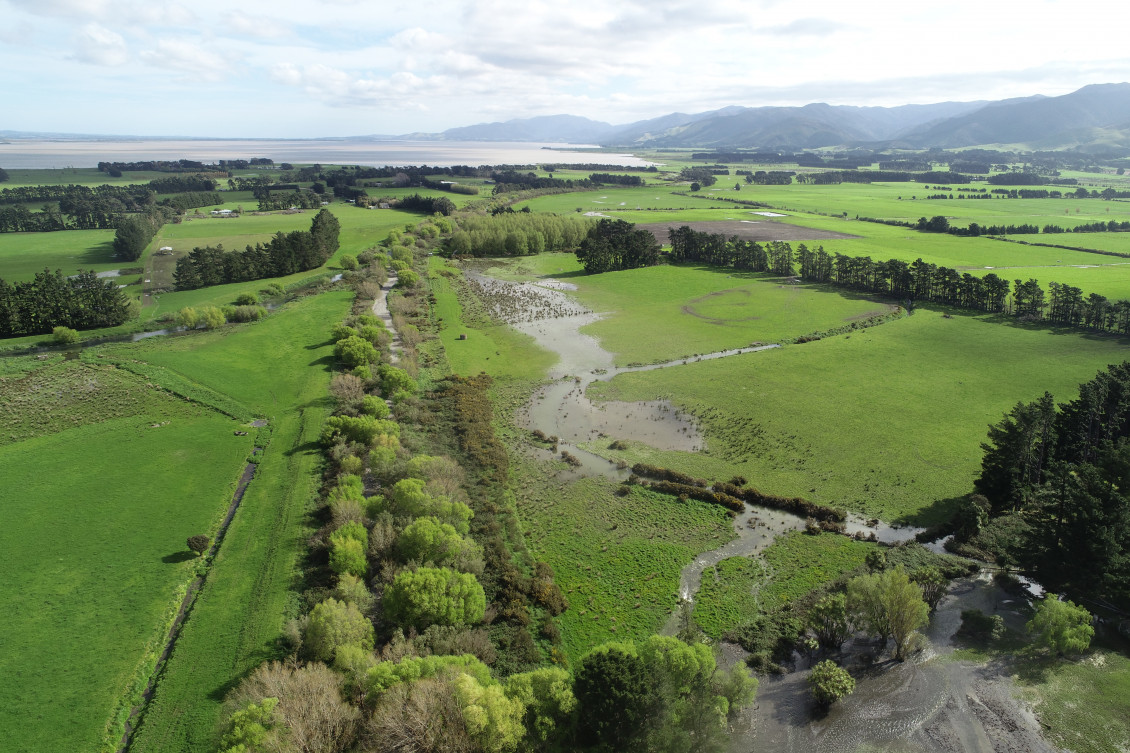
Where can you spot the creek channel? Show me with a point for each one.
(928, 703)
(562, 409)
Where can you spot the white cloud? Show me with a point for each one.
(189, 56)
(98, 45)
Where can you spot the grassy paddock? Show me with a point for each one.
(668, 312)
(279, 367)
(886, 421)
(93, 551)
(22, 255)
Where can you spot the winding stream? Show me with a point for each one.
(546, 312)
(929, 703)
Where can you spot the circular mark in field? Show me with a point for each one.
(723, 306)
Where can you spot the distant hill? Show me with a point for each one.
(1051, 121)
(1096, 116)
(563, 128)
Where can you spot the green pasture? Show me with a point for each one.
(617, 559)
(886, 421)
(615, 199)
(111, 481)
(496, 349)
(1116, 242)
(280, 366)
(1084, 704)
(668, 312)
(79, 176)
(22, 255)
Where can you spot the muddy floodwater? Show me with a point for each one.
(931, 703)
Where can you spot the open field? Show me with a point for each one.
(280, 367)
(668, 312)
(747, 230)
(22, 255)
(110, 486)
(886, 421)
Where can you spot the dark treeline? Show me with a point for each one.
(833, 177)
(292, 199)
(182, 202)
(553, 167)
(614, 245)
(426, 204)
(619, 180)
(941, 224)
(183, 184)
(284, 254)
(132, 194)
(511, 180)
(717, 250)
(50, 300)
(914, 281)
(1066, 472)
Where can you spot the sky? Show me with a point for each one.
(281, 69)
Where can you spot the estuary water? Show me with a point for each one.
(63, 153)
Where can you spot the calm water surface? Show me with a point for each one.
(21, 153)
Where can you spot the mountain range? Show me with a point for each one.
(1096, 117)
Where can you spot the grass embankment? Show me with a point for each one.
(886, 421)
(108, 477)
(278, 366)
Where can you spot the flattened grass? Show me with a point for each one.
(93, 552)
(887, 421)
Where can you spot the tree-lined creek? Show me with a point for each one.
(928, 703)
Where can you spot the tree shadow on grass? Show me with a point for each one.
(176, 557)
(937, 513)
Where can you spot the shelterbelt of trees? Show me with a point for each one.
(99, 208)
(1052, 494)
(50, 300)
(284, 254)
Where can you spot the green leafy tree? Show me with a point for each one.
(333, 624)
(198, 543)
(494, 720)
(547, 696)
(888, 605)
(212, 317)
(64, 335)
(828, 620)
(347, 556)
(355, 351)
(830, 682)
(434, 596)
(427, 539)
(1062, 626)
(249, 727)
(932, 583)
